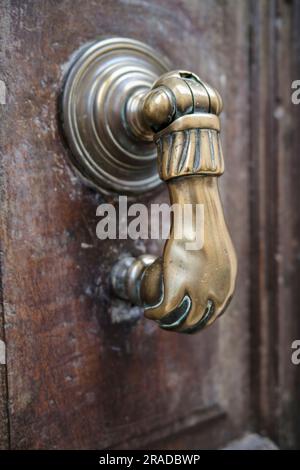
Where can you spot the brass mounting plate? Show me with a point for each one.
(103, 149)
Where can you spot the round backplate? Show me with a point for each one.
(104, 150)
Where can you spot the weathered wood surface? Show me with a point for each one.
(275, 233)
(77, 378)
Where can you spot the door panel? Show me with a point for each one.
(77, 375)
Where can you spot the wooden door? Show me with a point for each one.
(75, 374)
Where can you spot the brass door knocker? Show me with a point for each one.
(119, 97)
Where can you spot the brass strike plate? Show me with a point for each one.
(104, 149)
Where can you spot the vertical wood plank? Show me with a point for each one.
(274, 218)
(77, 376)
(4, 37)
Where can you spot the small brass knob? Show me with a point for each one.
(159, 108)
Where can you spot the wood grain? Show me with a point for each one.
(4, 420)
(274, 219)
(77, 376)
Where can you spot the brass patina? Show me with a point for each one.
(184, 290)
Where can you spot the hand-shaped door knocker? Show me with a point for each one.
(113, 108)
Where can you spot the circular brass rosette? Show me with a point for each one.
(104, 149)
